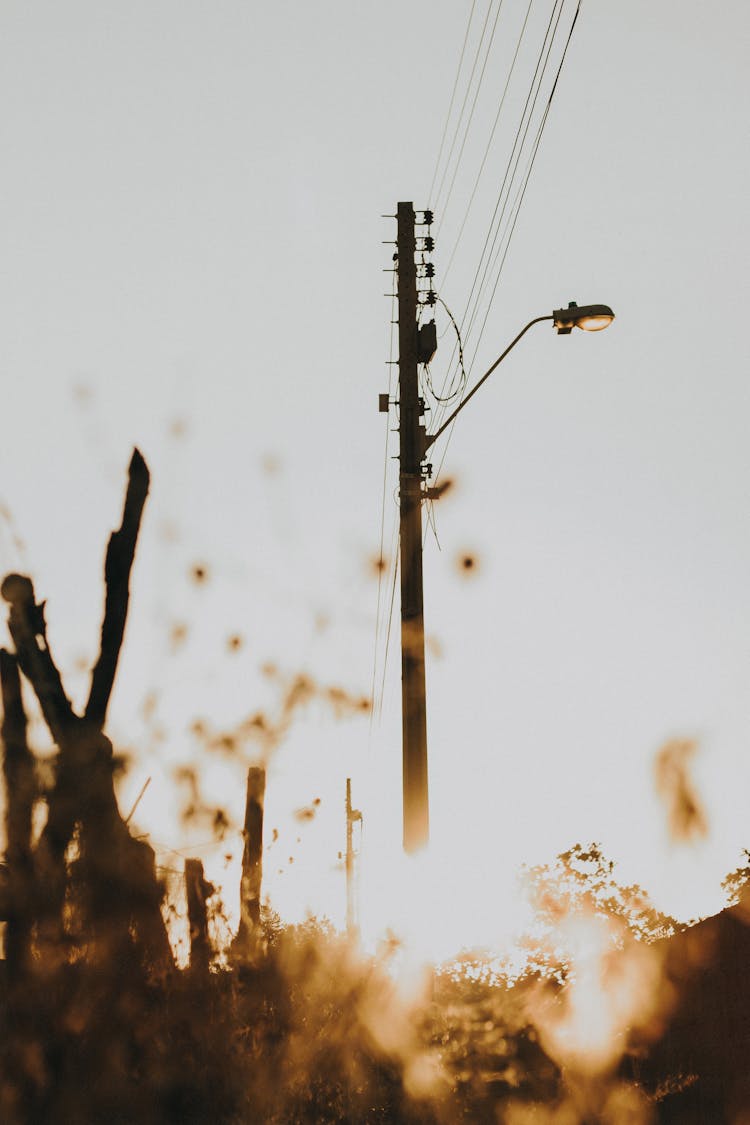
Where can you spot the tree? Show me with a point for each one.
(736, 883)
(581, 881)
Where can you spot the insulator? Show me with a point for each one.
(429, 269)
(429, 243)
(430, 297)
(427, 218)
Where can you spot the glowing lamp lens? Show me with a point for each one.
(594, 323)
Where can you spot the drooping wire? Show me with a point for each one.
(462, 383)
(431, 524)
(450, 104)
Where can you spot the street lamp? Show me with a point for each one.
(591, 318)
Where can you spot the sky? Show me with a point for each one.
(192, 261)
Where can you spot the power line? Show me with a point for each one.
(463, 104)
(471, 117)
(388, 634)
(505, 184)
(518, 202)
(525, 179)
(450, 104)
(512, 165)
(382, 517)
(489, 143)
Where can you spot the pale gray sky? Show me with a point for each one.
(191, 242)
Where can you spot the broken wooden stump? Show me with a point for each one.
(198, 890)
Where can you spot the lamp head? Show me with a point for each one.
(591, 318)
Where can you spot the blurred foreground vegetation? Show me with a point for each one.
(613, 1013)
(310, 1030)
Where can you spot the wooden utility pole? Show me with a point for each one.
(352, 817)
(411, 454)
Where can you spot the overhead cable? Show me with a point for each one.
(450, 104)
(518, 203)
(488, 145)
(512, 167)
(505, 184)
(435, 205)
(380, 562)
(457, 165)
(524, 184)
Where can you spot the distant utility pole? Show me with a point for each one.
(416, 345)
(352, 816)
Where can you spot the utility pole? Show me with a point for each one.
(417, 344)
(352, 816)
(414, 346)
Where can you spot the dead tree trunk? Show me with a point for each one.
(198, 890)
(20, 786)
(249, 931)
(120, 888)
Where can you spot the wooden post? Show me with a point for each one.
(252, 862)
(198, 890)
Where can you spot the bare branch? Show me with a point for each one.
(29, 633)
(117, 567)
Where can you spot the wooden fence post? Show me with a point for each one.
(252, 863)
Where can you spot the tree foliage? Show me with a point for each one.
(582, 881)
(735, 885)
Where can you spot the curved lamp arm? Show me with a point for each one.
(430, 438)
